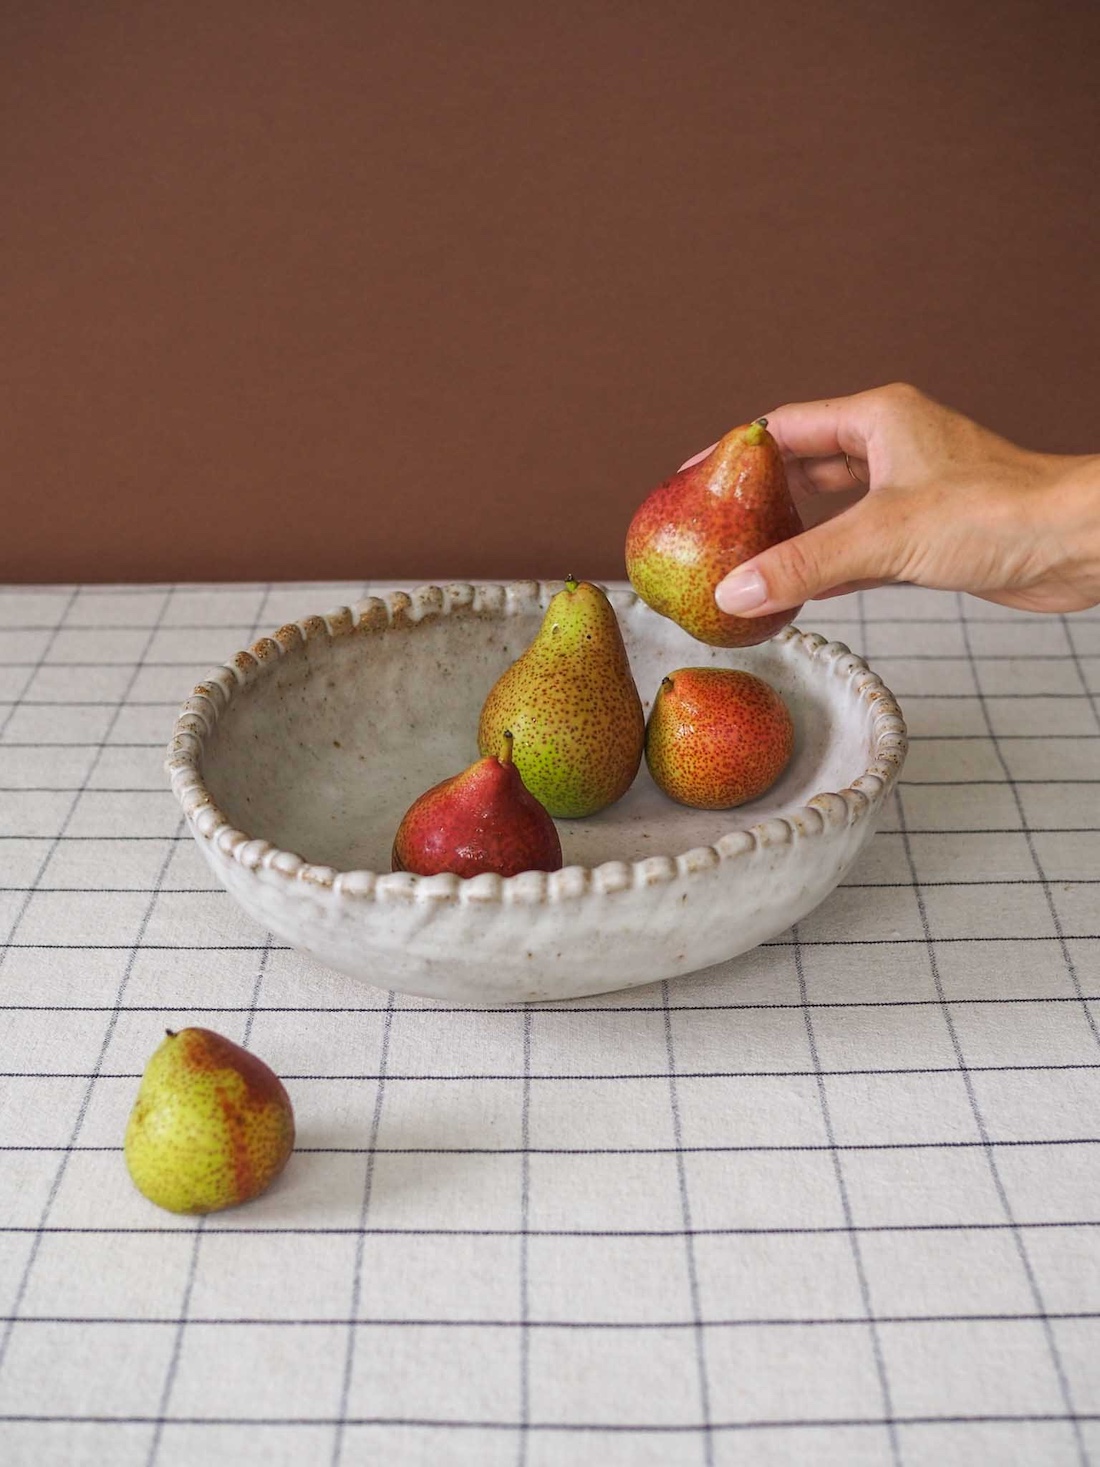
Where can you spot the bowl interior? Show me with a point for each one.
(323, 754)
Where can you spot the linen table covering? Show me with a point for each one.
(833, 1202)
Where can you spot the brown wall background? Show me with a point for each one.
(435, 289)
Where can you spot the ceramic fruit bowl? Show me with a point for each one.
(295, 762)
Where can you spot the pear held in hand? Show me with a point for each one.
(572, 705)
(212, 1125)
(717, 737)
(480, 820)
(704, 522)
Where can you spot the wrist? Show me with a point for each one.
(1074, 498)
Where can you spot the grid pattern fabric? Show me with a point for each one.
(837, 1201)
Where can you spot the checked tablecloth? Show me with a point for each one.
(835, 1202)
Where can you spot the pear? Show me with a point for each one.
(480, 820)
(212, 1125)
(571, 703)
(702, 523)
(717, 737)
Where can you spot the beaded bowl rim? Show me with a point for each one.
(375, 615)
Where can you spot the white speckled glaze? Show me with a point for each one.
(295, 762)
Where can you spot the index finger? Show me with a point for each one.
(821, 429)
(831, 425)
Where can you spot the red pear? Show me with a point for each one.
(717, 737)
(484, 819)
(704, 522)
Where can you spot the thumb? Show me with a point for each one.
(854, 546)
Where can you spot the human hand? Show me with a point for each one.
(948, 505)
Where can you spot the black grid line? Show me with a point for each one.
(572, 1427)
(702, 1366)
(361, 1233)
(193, 1261)
(578, 1077)
(785, 1231)
(846, 1210)
(524, 1246)
(1086, 691)
(246, 947)
(765, 1321)
(180, 1325)
(83, 744)
(760, 1148)
(442, 1010)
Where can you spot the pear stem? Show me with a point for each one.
(756, 431)
(507, 739)
(570, 582)
(666, 683)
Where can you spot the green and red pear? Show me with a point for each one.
(704, 522)
(212, 1125)
(573, 706)
(484, 819)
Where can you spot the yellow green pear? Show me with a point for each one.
(212, 1124)
(572, 706)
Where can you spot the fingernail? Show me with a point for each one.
(744, 590)
(696, 458)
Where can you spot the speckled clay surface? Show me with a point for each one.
(295, 762)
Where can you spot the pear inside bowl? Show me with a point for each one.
(295, 762)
